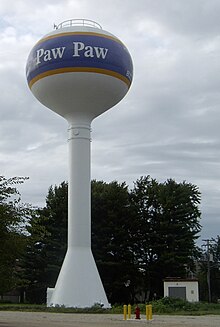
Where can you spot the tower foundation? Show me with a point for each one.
(78, 284)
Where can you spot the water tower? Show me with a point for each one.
(79, 71)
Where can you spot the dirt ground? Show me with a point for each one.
(33, 319)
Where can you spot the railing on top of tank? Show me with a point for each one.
(78, 22)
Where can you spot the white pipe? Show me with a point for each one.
(79, 283)
(79, 186)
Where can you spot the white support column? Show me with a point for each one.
(79, 283)
(79, 186)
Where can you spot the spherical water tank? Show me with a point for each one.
(79, 70)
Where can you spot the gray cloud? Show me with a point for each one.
(166, 126)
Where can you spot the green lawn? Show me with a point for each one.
(162, 306)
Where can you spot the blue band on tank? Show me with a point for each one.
(69, 51)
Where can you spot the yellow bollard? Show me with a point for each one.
(129, 311)
(125, 311)
(149, 312)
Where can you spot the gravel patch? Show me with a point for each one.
(40, 319)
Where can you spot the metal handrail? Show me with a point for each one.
(78, 22)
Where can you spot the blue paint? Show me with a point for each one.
(117, 59)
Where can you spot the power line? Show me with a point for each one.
(207, 245)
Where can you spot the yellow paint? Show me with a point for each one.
(79, 69)
(129, 311)
(53, 36)
(149, 314)
(125, 311)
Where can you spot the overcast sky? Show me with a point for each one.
(167, 126)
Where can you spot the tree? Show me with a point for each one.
(46, 246)
(13, 216)
(111, 246)
(138, 236)
(215, 269)
(111, 240)
(167, 219)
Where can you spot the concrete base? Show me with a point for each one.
(79, 284)
(49, 295)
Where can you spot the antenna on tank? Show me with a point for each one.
(79, 71)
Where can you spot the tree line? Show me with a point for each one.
(139, 237)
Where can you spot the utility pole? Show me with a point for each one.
(207, 245)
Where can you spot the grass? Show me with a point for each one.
(163, 306)
(44, 308)
(182, 307)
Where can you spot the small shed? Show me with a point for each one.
(186, 289)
